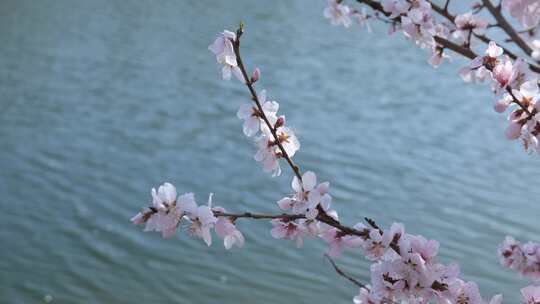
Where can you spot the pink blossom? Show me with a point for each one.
(465, 292)
(289, 230)
(256, 75)
(531, 294)
(365, 296)
(526, 11)
(226, 229)
(395, 7)
(288, 140)
(503, 74)
(202, 218)
(338, 13)
(513, 131)
(253, 117)
(167, 215)
(523, 258)
(268, 154)
(493, 50)
(437, 56)
(502, 104)
(339, 241)
(223, 48)
(467, 23)
(308, 195)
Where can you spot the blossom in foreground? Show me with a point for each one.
(164, 215)
(168, 210)
(223, 48)
(365, 296)
(308, 195)
(252, 116)
(338, 13)
(526, 11)
(480, 67)
(226, 229)
(338, 241)
(268, 154)
(288, 140)
(523, 258)
(521, 124)
(531, 295)
(202, 218)
(468, 24)
(289, 230)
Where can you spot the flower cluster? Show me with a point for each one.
(531, 295)
(405, 267)
(308, 200)
(275, 139)
(168, 210)
(468, 26)
(523, 258)
(513, 84)
(406, 270)
(340, 14)
(527, 12)
(308, 196)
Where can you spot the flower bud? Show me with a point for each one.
(256, 75)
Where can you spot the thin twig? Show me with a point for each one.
(343, 274)
(465, 51)
(255, 99)
(290, 217)
(521, 105)
(507, 27)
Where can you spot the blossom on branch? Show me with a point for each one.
(224, 51)
(289, 230)
(308, 195)
(523, 258)
(252, 116)
(468, 25)
(226, 229)
(338, 13)
(531, 295)
(527, 12)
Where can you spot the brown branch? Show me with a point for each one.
(521, 105)
(507, 27)
(255, 99)
(485, 39)
(322, 217)
(467, 52)
(290, 217)
(343, 274)
(443, 11)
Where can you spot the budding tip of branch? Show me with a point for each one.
(241, 28)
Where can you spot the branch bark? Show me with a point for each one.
(507, 27)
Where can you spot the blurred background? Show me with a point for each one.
(102, 100)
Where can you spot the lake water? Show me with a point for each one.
(102, 100)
